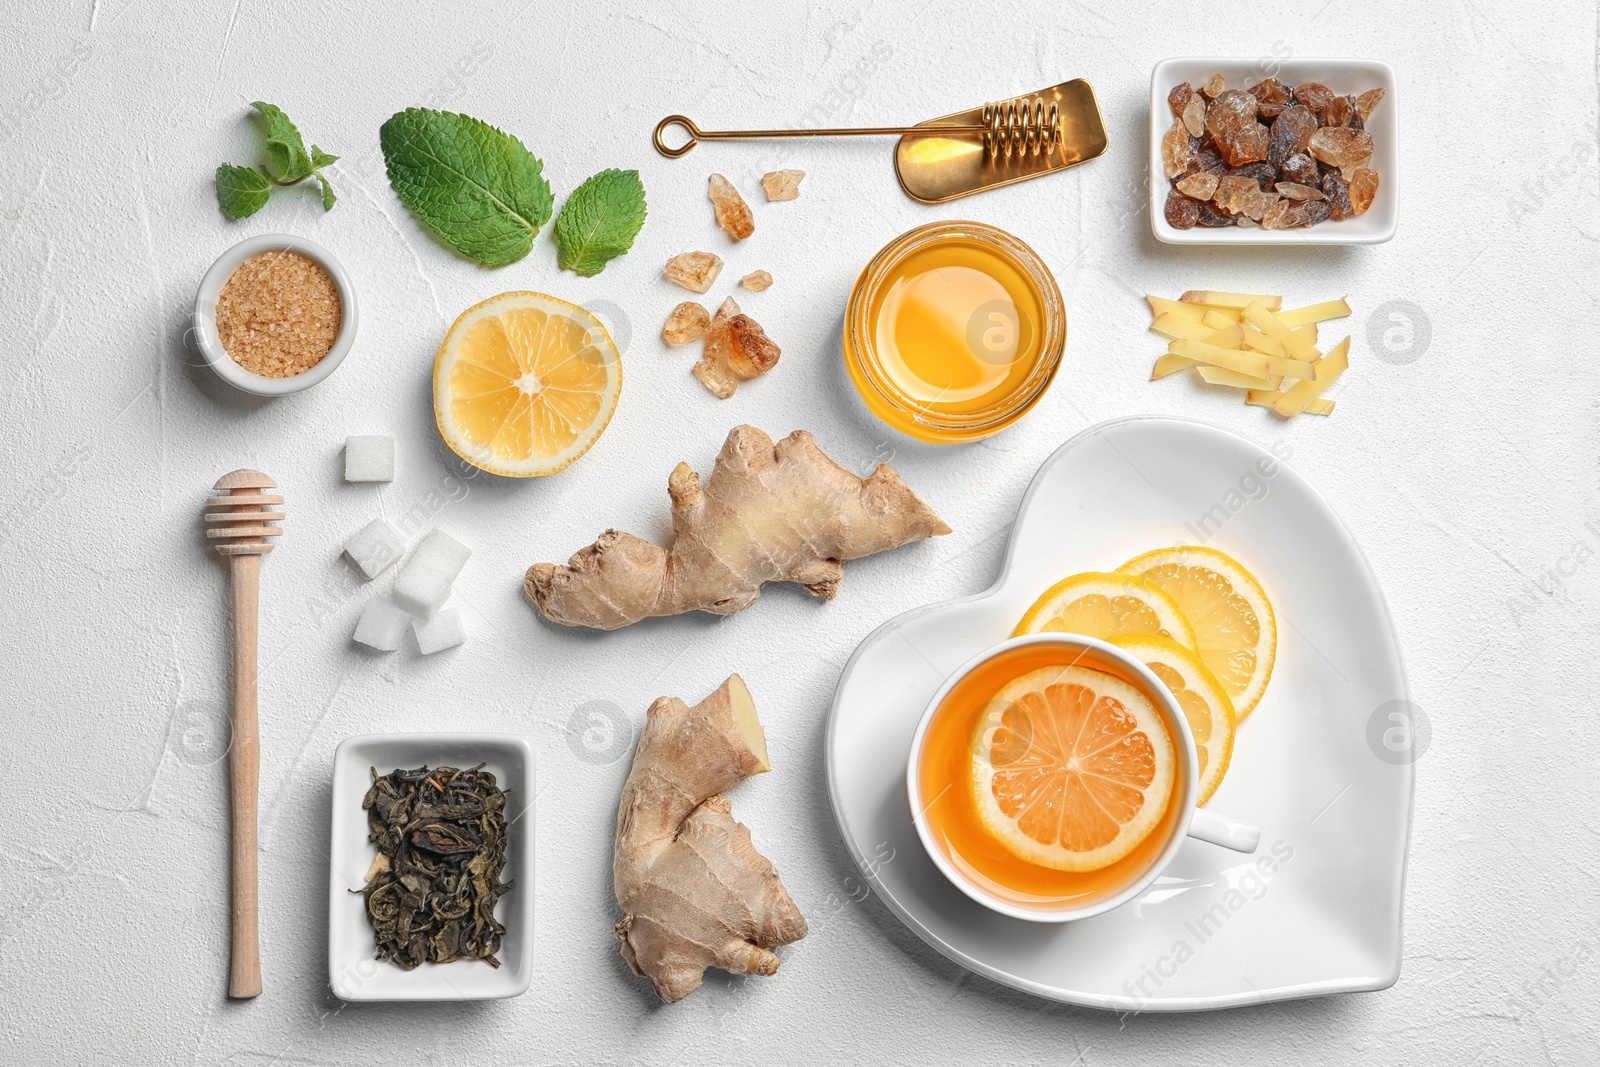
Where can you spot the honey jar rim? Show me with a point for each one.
(861, 354)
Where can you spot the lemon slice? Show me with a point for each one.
(1071, 768)
(1235, 631)
(1106, 606)
(1204, 702)
(524, 384)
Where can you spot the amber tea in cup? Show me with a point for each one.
(1054, 776)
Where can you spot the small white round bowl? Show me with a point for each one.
(209, 341)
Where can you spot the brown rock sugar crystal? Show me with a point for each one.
(279, 314)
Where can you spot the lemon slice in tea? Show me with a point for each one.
(1071, 768)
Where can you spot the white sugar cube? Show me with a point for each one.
(421, 589)
(441, 552)
(442, 631)
(375, 548)
(382, 625)
(369, 459)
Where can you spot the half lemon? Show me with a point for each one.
(524, 384)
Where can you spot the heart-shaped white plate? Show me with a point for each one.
(1323, 765)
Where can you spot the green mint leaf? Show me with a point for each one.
(320, 159)
(600, 220)
(328, 199)
(241, 191)
(284, 146)
(476, 188)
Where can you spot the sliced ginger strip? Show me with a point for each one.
(1218, 376)
(1290, 368)
(1254, 338)
(1317, 406)
(1171, 363)
(1264, 320)
(1162, 306)
(1229, 336)
(1312, 313)
(1293, 401)
(1180, 328)
(1232, 300)
(1252, 363)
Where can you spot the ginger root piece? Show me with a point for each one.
(768, 513)
(694, 891)
(736, 349)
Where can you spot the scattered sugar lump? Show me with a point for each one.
(425, 581)
(375, 548)
(442, 631)
(382, 625)
(441, 552)
(369, 459)
(421, 590)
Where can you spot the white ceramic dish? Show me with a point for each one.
(1374, 226)
(353, 972)
(204, 319)
(1317, 910)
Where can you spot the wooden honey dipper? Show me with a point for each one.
(239, 520)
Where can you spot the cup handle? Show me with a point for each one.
(1221, 830)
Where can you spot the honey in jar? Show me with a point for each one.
(954, 331)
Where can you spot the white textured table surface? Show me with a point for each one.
(1467, 473)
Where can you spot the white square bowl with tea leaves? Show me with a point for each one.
(1350, 77)
(354, 970)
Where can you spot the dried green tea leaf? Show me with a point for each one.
(441, 840)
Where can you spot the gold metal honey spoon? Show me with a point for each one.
(1009, 126)
(240, 519)
(962, 153)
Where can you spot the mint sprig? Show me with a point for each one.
(600, 220)
(474, 186)
(242, 191)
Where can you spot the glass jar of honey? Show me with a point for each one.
(954, 331)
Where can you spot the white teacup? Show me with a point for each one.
(1190, 821)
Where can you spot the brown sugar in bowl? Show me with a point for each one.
(273, 332)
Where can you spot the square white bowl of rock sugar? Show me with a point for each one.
(1345, 77)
